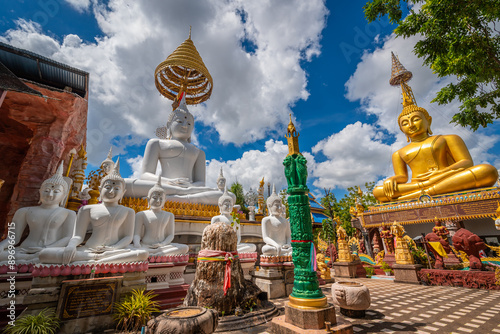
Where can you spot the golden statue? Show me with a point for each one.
(344, 252)
(439, 164)
(402, 252)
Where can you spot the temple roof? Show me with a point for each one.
(31, 66)
(10, 82)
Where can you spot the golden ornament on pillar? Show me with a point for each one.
(292, 137)
(402, 252)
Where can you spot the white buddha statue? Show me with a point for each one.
(155, 228)
(49, 224)
(112, 229)
(107, 165)
(182, 164)
(276, 231)
(226, 204)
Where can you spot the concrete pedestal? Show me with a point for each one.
(276, 280)
(346, 269)
(164, 275)
(299, 321)
(247, 266)
(406, 273)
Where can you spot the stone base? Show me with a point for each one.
(247, 266)
(345, 269)
(280, 326)
(164, 275)
(390, 259)
(313, 318)
(451, 260)
(276, 281)
(406, 273)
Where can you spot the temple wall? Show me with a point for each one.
(46, 130)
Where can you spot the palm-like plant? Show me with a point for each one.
(45, 322)
(135, 309)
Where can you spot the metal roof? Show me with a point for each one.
(9, 82)
(37, 68)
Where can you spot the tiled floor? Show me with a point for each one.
(407, 308)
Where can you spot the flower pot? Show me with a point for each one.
(387, 273)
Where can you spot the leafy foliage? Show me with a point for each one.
(459, 37)
(45, 322)
(370, 271)
(135, 309)
(237, 190)
(339, 210)
(284, 199)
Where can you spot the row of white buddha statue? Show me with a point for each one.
(118, 234)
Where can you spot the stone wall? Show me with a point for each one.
(35, 135)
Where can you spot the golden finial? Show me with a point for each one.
(292, 136)
(400, 76)
(183, 72)
(360, 193)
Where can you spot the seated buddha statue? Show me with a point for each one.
(439, 164)
(276, 229)
(182, 164)
(49, 224)
(112, 229)
(155, 228)
(226, 204)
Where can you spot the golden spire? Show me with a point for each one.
(292, 136)
(183, 72)
(400, 76)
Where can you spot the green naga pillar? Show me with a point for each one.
(306, 292)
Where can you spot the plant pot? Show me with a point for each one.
(387, 273)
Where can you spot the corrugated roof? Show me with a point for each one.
(318, 217)
(37, 68)
(9, 82)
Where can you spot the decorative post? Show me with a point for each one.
(306, 291)
(307, 308)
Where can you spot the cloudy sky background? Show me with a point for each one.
(319, 61)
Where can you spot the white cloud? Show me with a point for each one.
(354, 155)
(140, 35)
(79, 5)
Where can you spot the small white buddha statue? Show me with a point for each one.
(112, 229)
(49, 224)
(276, 231)
(221, 181)
(226, 204)
(107, 165)
(182, 164)
(155, 228)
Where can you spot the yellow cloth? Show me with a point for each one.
(438, 248)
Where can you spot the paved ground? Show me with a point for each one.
(407, 308)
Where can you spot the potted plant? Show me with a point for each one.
(386, 268)
(134, 311)
(370, 271)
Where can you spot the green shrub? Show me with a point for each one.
(384, 266)
(135, 309)
(45, 322)
(370, 271)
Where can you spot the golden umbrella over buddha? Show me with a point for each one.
(439, 164)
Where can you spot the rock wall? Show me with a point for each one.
(35, 135)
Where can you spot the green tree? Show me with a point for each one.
(237, 189)
(460, 38)
(340, 210)
(284, 199)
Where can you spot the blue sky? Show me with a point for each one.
(318, 60)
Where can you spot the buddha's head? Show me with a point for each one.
(112, 186)
(415, 121)
(221, 181)
(274, 204)
(54, 189)
(108, 164)
(226, 203)
(156, 195)
(180, 124)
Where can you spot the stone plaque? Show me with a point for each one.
(88, 297)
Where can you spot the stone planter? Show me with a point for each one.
(186, 320)
(353, 298)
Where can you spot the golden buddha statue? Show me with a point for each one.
(439, 164)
